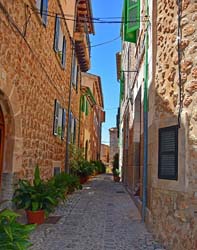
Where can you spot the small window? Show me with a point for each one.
(74, 73)
(42, 6)
(168, 153)
(56, 171)
(60, 42)
(59, 120)
(72, 128)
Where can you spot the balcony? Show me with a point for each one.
(82, 48)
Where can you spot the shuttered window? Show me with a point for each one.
(74, 72)
(131, 20)
(56, 36)
(168, 153)
(44, 11)
(63, 53)
(59, 42)
(56, 114)
(59, 120)
(42, 6)
(72, 128)
(63, 123)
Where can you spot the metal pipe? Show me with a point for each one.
(145, 127)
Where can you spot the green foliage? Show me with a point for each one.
(13, 235)
(83, 169)
(37, 196)
(115, 168)
(64, 183)
(99, 167)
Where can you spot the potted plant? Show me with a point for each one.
(116, 174)
(115, 169)
(13, 235)
(38, 199)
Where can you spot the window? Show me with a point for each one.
(59, 120)
(42, 6)
(72, 128)
(56, 171)
(60, 42)
(168, 153)
(74, 73)
(84, 105)
(131, 17)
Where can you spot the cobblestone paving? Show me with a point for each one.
(102, 216)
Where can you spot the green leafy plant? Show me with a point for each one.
(115, 168)
(13, 235)
(64, 183)
(37, 196)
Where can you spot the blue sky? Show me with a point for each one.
(103, 58)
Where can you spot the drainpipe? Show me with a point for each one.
(66, 167)
(145, 112)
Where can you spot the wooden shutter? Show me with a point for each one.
(168, 153)
(56, 35)
(44, 11)
(70, 127)
(74, 130)
(63, 123)
(64, 52)
(56, 114)
(131, 18)
(86, 107)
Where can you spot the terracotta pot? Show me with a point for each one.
(116, 178)
(83, 179)
(35, 217)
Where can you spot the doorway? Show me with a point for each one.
(2, 128)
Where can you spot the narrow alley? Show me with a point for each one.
(101, 216)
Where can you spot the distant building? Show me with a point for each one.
(91, 115)
(113, 144)
(105, 154)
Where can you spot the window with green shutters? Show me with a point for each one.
(131, 19)
(122, 79)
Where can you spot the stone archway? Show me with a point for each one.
(11, 155)
(2, 132)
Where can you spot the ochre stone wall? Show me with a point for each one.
(173, 203)
(31, 78)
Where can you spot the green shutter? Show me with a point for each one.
(131, 20)
(86, 108)
(122, 85)
(83, 103)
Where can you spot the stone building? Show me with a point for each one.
(158, 128)
(91, 116)
(113, 144)
(105, 154)
(41, 57)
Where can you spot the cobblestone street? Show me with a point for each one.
(102, 216)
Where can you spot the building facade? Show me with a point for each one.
(92, 116)
(113, 145)
(105, 154)
(157, 116)
(42, 57)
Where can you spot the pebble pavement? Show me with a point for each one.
(102, 216)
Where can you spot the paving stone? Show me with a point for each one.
(102, 216)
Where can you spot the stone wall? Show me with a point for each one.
(113, 144)
(31, 78)
(173, 204)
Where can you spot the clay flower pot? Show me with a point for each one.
(116, 178)
(35, 217)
